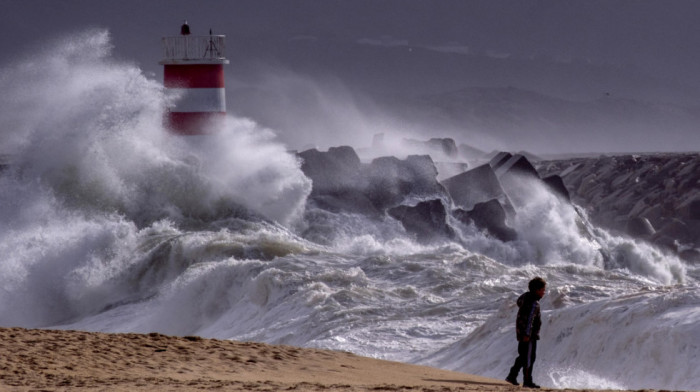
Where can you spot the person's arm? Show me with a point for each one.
(523, 323)
(530, 319)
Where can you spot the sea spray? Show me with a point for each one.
(108, 223)
(245, 164)
(93, 170)
(94, 135)
(552, 231)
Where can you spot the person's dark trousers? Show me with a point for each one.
(527, 352)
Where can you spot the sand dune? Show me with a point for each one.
(73, 360)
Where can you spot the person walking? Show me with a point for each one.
(527, 331)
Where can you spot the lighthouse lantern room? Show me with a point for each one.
(193, 68)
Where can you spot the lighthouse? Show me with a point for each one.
(193, 69)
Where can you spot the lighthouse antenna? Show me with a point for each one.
(211, 47)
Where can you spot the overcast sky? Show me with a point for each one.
(659, 39)
(661, 36)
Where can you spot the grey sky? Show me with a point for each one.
(653, 42)
(655, 35)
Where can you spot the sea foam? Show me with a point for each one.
(111, 224)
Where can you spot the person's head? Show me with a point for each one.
(537, 286)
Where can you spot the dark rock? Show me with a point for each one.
(499, 159)
(391, 181)
(694, 226)
(694, 209)
(475, 186)
(345, 200)
(338, 184)
(638, 208)
(570, 170)
(678, 230)
(427, 220)
(489, 216)
(516, 164)
(690, 256)
(333, 170)
(530, 156)
(664, 241)
(655, 214)
(659, 187)
(556, 185)
(639, 227)
(516, 176)
(423, 172)
(341, 183)
(447, 145)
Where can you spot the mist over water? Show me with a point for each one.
(91, 130)
(108, 223)
(93, 171)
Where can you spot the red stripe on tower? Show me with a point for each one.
(193, 71)
(193, 75)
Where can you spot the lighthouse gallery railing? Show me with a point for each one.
(188, 47)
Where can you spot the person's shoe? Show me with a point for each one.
(531, 385)
(512, 380)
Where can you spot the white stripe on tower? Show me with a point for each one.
(200, 99)
(194, 72)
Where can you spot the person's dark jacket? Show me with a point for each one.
(528, 322)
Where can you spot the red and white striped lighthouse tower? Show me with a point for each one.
(194, 69)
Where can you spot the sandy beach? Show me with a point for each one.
(50, 360)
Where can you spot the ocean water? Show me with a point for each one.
(107, 223)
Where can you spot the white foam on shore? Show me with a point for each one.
(638, 341)
(578, 379)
